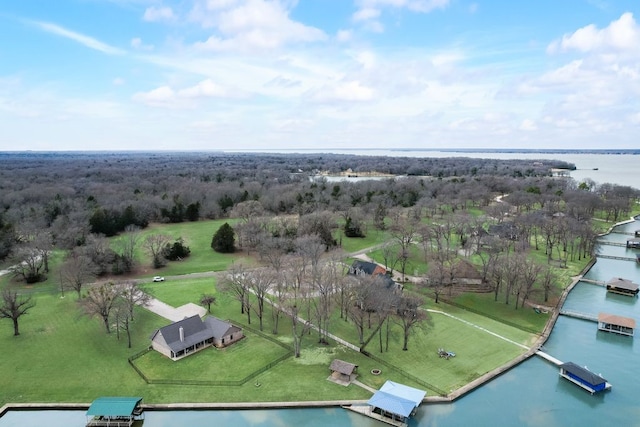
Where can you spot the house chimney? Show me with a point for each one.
(181, 334)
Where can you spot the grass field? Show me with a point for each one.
(63, 356)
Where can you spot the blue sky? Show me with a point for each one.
(313, 74)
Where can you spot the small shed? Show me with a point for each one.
(622, 286)
(616, 324)
(583, 377)
(343, 372)
(396, 401)
(114, 411)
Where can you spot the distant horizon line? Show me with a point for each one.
(325, 150)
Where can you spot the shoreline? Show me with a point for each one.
(451, 397)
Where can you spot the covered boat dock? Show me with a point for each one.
(616, 324)
(622, 286)
(395, 403)
(583, 377)
(114, 412)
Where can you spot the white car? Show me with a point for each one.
(158, 279)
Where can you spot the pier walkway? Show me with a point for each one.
(579, 315)
(549, 358)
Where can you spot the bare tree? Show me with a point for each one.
(260, 282)
(132, 294)
(404, 232)
(76, 271)
(154, 245)
(236, 283)
(100, 301)
(206, 300)
(409, 315)
(14, 306)
(128, 243)
(29, 264)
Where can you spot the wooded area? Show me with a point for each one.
(483, 215)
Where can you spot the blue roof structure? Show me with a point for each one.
(113, 406)
(397, 398)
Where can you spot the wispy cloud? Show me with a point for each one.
(84, 40)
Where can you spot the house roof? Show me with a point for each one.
(583, 373)
(219, 327)
(342, 367)
(397, 398)
(612, 319)
(195, 331)
(620, 283)
(114, 406)
(367, 267)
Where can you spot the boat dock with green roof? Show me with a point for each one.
(115, 412)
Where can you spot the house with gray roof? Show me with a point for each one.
(192, 334)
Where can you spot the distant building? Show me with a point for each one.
(192, 334)
(365, 268)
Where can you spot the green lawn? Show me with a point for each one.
(213, 364)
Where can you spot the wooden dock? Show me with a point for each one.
(579, 315)
(549, 358)
(621, 258)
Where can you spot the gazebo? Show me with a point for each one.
(342, 372)
(114, 412)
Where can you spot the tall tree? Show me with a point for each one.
(155, 245)
(223, 240)
(132, 294)
(409, 315)
(14, 306)
(76, 271)
(100, 301)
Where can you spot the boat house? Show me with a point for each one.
(633, 243)
(114, 412)
(616, 324)
(584, 378)
(192, 334)
(396, 402)
(622, 286)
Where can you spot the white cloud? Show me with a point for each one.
(250, 25)
(168, 97)
(528, 125)
(421, 6)
(351, 91)
(344, 35)
(118, 81)
(621, 35)
(158, 14)
(366, 14)
(85, 40)
(137, 43)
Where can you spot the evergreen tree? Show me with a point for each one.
(223, 240)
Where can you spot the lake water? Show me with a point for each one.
(531, 394)
(620, 169)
